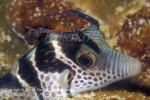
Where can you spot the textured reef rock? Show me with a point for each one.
(9, 43)
(44, 13)
(110, 95)
(134, 38)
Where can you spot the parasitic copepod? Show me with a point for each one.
(56, 67)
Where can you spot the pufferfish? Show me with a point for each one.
(68, 63)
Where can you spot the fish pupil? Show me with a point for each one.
(85, 60)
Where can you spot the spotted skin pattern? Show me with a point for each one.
(53, 67)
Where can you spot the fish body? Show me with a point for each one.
(55, 67)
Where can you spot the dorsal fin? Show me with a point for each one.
(95, 34)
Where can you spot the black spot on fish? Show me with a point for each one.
(27, 72)
(45, 58)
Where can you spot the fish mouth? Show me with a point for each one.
(136, 67)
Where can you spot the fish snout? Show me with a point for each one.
(135, 67)
(123, 66)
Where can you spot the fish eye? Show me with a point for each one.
(85, 60)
